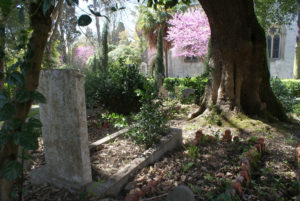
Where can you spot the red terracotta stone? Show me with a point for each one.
(227, 136)
(211, 138)
(245, 167)
(237, 186)
(261, 141)
(236, 138)
(132, 197)
(198, 136)
(244, 173)
(258, 147)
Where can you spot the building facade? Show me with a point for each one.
(281, 42)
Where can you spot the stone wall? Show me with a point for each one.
(179, 68)
(283, 68)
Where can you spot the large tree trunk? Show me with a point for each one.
(240, 77)
(48, 51)
(166, 62)
(63, 44)
(97, 23)
(41, 26)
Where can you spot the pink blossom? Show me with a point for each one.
(83, 53)
(189, 33)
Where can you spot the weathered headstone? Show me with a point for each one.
(163, 92)
(143, 68)
(64, 130)
(180, 193)
(159, 80)
(187, 93)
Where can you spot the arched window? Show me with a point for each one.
(276, 47)
(275, 40)
(269, 45)
(191, 59)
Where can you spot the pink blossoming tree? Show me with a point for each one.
(83, 53)
(189, 33)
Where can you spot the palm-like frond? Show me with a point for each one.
(149, 22)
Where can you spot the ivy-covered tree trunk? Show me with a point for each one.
(41, 25)
(167, 62)
(104, 47)
(62, 44)
(240, 75)
(49, 63)
(159, 62)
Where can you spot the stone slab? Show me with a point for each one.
(94, 145)
(116, 182)
(64, 130)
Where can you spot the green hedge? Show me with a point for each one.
(198, 83)
(293, 86)
(115, 90)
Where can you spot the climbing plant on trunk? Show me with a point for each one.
(159, 62)
(24, 77)
(104, 47)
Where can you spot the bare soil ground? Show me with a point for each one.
(208, 172)
(111, 157)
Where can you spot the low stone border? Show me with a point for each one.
(248, 163)
(298, 166)
(94, 145)
(115, 183)
(137, 193)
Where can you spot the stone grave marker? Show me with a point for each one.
(64, 131)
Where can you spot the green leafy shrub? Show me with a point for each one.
(297, 109)
(198, 83)
(171, 82)
(214, 117)
(150, 122)
(117, 120)
(115, 89)
(293, 86)
(283, 94)
(124, 51)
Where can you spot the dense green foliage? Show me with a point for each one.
(150, 122)
(18, 133)
(293, 86)
(178, 84)
(278, 12)
(115, 89)
(125, 51)
(283, 93)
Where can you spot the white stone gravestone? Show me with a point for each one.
(64, 131)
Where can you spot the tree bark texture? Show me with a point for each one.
(63, 44)
(48, 52)
(97, 23)
(240, 75)
(166, 63)
(41, 26)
